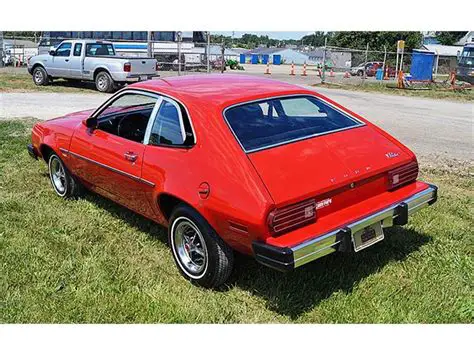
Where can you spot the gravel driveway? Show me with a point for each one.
(431, 128)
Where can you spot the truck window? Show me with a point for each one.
(99, 49)
(64, 50)
(77, 49)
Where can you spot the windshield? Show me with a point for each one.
(99, 49)
(467, 57)
(272, 122)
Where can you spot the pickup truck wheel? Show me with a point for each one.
(200, 254)
(40, 77)
(104, 82)
(64, 184)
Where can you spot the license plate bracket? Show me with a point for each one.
(367, 236)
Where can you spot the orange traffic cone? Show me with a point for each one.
(331, 73)
(386, 74)
(304, 70)
(292, 72)
(319, 72)
(347, 75)
(267, 70)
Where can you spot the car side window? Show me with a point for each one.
(171, 126)
(77, 49)
(64, 50)
(127, 116)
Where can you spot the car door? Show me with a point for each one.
(109, 162)
(75, 62)
(59, 66)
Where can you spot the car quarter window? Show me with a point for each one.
(77, 49)
(171, 126)
(64, 50)
(128, 116)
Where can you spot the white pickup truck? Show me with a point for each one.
(90, 60)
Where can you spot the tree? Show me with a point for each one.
(449, 37)
(376, 40)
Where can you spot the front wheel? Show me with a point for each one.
(64, 184)
(104, 82)
(40, 77)
(200, 254)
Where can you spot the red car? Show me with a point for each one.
(235, 163)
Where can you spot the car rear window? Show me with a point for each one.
(276, 121)
(99, 49)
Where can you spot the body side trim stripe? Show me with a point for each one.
(133, 177)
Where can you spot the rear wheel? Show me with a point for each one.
(40, 77)
(64, 184)
(104, 82)
(200, 254)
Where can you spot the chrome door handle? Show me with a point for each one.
(130, 156)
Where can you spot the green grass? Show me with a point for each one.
(91, 261)
(434, 92)
(20, 82)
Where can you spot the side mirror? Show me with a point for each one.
(90, 123)
(52, 52)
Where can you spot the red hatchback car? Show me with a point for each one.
(230, 162)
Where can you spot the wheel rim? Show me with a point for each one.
(189, 247)
(102, 82)
(58, 175)
(38, 76)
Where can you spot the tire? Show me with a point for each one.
(40, 77)
(206, 260)
(360, 73)
(104, 82)
(64, 184)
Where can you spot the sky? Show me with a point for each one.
(275, 35)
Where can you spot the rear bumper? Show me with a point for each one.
(288, 258)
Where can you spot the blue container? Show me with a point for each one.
(242, 59)
(379, 74)
(254, 59)
(276, 59)
(422, 63)
(265, 58)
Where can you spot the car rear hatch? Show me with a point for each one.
(337, 170)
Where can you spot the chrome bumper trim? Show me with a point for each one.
(394, 215)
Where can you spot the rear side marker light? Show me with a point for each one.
(282, 220)
(127, 67)
(402, 175)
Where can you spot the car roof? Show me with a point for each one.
(219, 89)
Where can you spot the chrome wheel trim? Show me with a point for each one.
(189, 248)
(102, 82)
(38, 76)
(57, 175)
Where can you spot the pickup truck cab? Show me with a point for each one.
(90, 60)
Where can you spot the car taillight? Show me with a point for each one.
(282, 220)
(127, 67)
(402, 175)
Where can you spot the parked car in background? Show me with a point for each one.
(90, 60)
(232, 162)
(364, 67)
(465, 69)
(372, 69)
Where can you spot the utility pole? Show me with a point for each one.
(223, 60)
(323, 75)
(384, 63)
(150, 45)
(179, 53)
(1, 49)
(365, 63)
(208, 63)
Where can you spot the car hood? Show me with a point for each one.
(312, 167)
(71, 119)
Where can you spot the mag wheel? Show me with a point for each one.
(104, 82)
(64, 184)
(200, 254)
